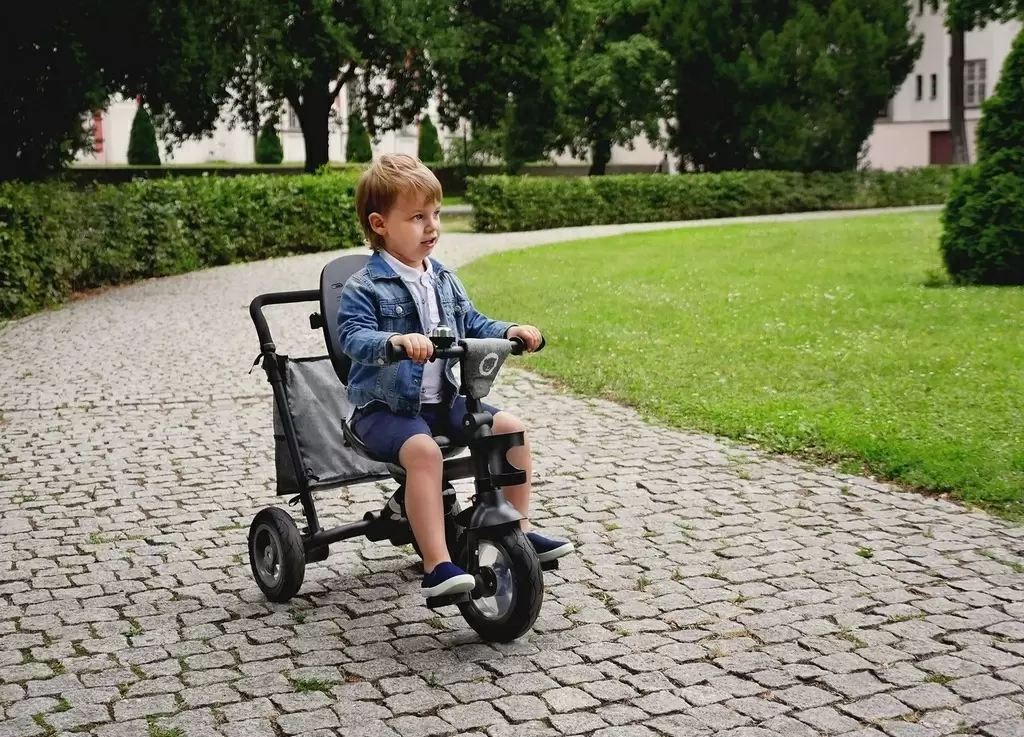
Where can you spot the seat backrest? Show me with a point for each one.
(332, 281)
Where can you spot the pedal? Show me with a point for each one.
(436, 602)
(549, 565)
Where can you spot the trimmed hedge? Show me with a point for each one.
(505, 203)
(56, 239)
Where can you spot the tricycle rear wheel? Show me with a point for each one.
(276, 554)
(510, 586)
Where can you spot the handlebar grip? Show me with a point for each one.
(519, 345)
(394, 353)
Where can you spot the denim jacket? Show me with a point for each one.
(375, 305)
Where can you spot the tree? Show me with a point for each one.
(357, 145)
(429, 149)
(983, 222)
(957, 123)
(62, 66)
(142, 147)
(268, 145)
(501, 66)
(793, 85)
(963, 16)
(618, 86)
(307, 50)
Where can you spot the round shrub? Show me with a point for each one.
(983, 225)
(268, 145)
(142, 148)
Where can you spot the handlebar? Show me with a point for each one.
(394, 353)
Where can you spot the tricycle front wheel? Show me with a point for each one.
(276, 554)
(510, 586)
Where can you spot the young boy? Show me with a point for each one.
(400, 297)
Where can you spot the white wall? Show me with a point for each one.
(904, 141)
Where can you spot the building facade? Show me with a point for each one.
(914, 130)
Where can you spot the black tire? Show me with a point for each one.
(452, 532)
(505, 617)
(276, 554)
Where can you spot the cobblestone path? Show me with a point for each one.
(715, 590)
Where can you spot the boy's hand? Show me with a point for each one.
(528, 334)
(417, 346)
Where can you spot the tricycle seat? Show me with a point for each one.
(354, 441)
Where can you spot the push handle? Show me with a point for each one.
(275, 298)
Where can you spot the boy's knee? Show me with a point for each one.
(420, 451)
(505, 422)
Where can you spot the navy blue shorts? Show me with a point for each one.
(384, 432)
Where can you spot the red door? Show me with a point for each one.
(940, 150)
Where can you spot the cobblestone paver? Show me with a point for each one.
(715, 590)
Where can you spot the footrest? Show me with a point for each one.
(549, 565)
(436, 602)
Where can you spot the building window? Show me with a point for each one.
(974, 83)
(920, 87)
(292, 119)
(935, 86)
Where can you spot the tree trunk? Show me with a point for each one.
(957, 124)
(314, 117)
(602, 154)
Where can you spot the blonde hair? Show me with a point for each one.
(387, 179)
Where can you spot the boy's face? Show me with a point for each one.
(410, 228)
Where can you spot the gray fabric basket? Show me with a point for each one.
(317, 403)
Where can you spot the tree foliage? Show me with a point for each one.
(501, 65)
(618, 80)
(305, 51)
(791, 85)
(967, 15)
(63, 65)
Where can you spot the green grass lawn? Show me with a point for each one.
(457, 224)
(833, 340)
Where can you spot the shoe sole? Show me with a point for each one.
(556, 553)
(454, 585)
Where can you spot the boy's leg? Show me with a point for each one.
(520, 457)
(422, 461)
(408, 440)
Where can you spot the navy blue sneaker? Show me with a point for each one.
(547, 548)
(446, 579)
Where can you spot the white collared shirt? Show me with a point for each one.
(424, 293)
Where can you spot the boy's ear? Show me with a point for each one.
(377, 223)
